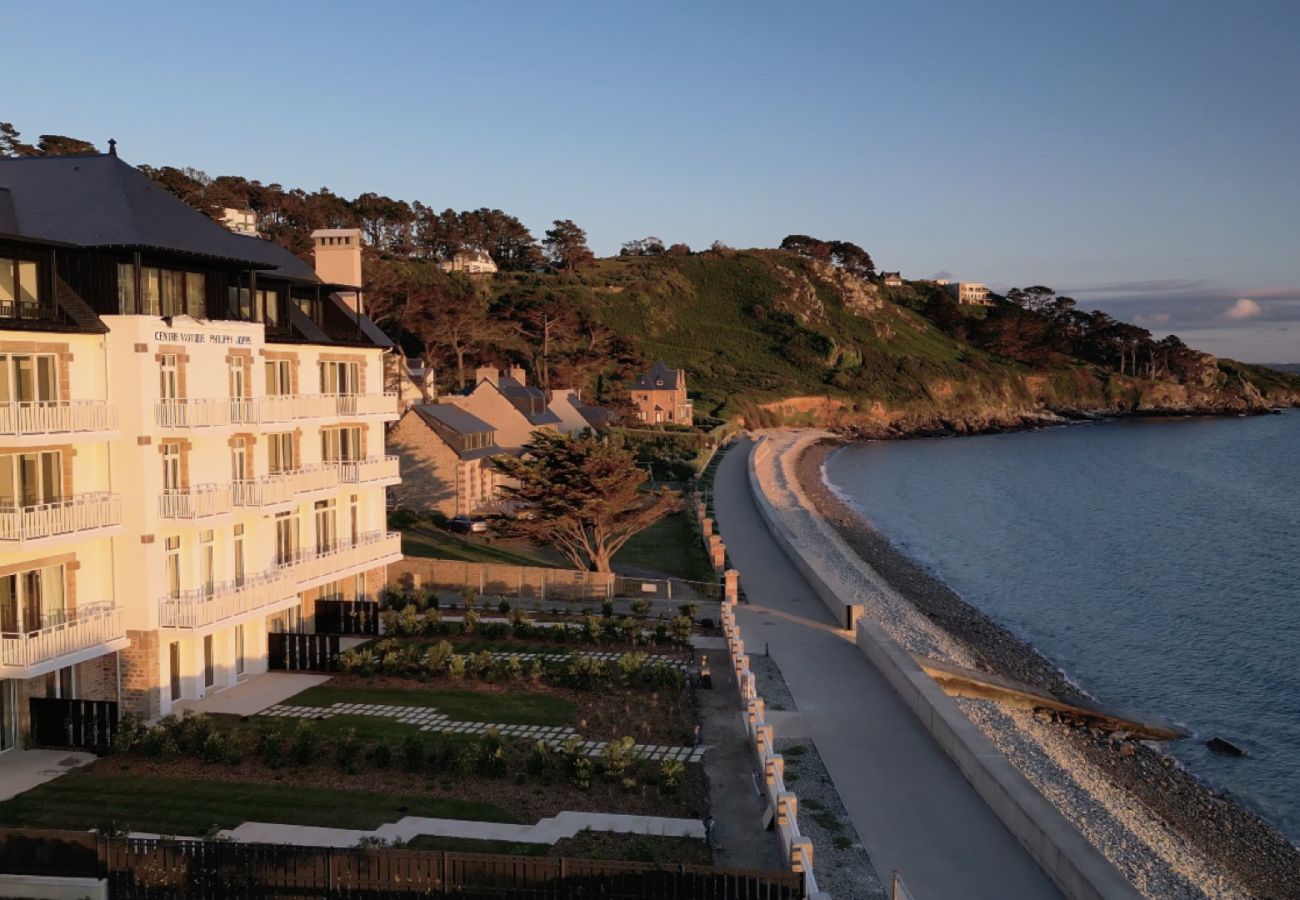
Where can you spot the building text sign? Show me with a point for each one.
(200, 337)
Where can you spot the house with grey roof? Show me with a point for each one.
(660, 396)
(446, 459)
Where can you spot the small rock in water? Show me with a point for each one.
(1225, 748)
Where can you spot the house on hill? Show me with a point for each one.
(891, 279)
(471, 262)
(446, 460)
(576, 416)
(969, 293)
(660, 396)
(506, 402)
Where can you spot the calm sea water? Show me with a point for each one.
(1157, 562)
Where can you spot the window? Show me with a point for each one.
(278, 378)
(173, 550)
(286, 538)
(269, 303)
(28, 378)
(280, 455)
(209, 662)
(340, 378)
(241, 304)
(326, 526)
(239, 649)
(239, 459)
(8, 715)
(239, 555)
(207, 564)
(33, 600)
(169, 377)
(354, 516)
(19, 289)
(196, 295)
(171, 460)
(174, 660)
(31, 479)
(239, 387)
(340, 444)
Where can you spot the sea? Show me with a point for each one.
(1156, 561)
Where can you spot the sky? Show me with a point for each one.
(1142, 157)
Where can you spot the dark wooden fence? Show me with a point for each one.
(73, 724)
(292, 652)
(145, 869)
(347, 617)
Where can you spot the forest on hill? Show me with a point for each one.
(805, 333)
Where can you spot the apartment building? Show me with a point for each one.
(969, 293)
(191, 443)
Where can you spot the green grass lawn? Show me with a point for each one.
(465, 706)
(670, 545)
(424, 540)
(475, 845)
(81, 800)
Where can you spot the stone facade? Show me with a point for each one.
(434, 477)
(141, 690)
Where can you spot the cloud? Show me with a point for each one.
(1152, 286)
(1151, 319)
(1243, 309)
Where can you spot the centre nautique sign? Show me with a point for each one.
(200, 337)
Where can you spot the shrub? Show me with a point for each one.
(432, 619)
(388, 621)
(215, 748)
(456, 666)
(616, 757)
(494, 630)
(582, 769)
(661, 633)
(583, 672)
(446, 756)
(349, 661)
(671, 773)
(408, 620)
(629, 630)
(707, 623)
(631, 666)
(514, 668)
(640, 607)
(470, 621)
(607, 608)
(480, 664)
(468, 596)
(192, 732)
(590, 629)
(520, 623)
(490, 754)
(503, 606)
(130, 729)
(541, 760)
(412, 750)
(536, 670)
(347, 749)
(431, 600)
(438, 658)
(392, 663)
(304, 743)
(270, 747)
(681, 629)
(380, 754)
(690, 610)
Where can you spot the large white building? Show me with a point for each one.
(191, 443)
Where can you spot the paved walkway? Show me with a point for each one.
(23, 770)
(546, 831)
(252, 695)
(911, 807)
(427, 718)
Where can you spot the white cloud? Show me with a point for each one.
(1152, 319)
(1243, 309)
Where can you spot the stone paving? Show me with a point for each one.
(427, 718)
(606, 656)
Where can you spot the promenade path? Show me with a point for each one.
(912, 808)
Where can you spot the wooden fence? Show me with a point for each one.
(73, 724)
(139, 868)
(293, 652)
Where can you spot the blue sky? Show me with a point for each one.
(1142, 156)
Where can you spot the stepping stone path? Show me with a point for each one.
(605, 656)
(427, 718)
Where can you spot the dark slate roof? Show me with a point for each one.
(596, 416)
(452, 416)
(658, 372)
(545, 417)
(100, 201)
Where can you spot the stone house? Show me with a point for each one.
(660, 396)
(446, 459)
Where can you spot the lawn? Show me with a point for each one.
(466, 706)
(81, 800)
(422, 539)
(671, 546)
(475, 845)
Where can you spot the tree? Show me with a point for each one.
(582, 496)
(62, 145)
(11, 143)
(566, 245)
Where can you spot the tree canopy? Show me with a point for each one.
(566, 245)
(581, 495)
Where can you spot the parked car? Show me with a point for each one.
(468, 525)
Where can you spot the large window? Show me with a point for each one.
(280, 455)
(163, 292)
(286, 538)
(32, 600)
(19, 289)
(279, 378)
(340, 444)
(171, 460)
(340, 378)
(28, 378)
(327, 536)
(31, 479)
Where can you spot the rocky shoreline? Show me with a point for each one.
(1256, 854)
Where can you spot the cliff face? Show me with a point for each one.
(780, 339)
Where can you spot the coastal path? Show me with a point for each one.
(912, 808)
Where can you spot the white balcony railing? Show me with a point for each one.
(365, 404)
(195, 502)
(337, 559)
(279, 487)
(287, 407)
(374, 468)
(208, 605)
(82, 629)
(56, 417)
(80, 512)
(201, 412)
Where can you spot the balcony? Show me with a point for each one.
(65, 637)
(207, 606)
(365, 404)
(56, 417)
(287, 407)
(374, 548)
(203, 412)
(71, 515)
(198, 502)
(370, 470)
(281, 487)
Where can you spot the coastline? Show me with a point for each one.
(1084, 770)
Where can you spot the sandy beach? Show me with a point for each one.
(1169, 833)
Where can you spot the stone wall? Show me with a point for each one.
(142, 674)
(429, 467)
(97, 678)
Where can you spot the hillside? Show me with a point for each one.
(782, 339)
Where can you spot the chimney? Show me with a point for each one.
(485, 373)
(517, 373)
(338, 261)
